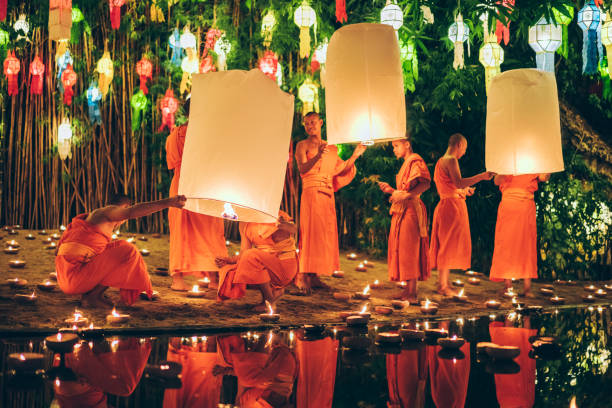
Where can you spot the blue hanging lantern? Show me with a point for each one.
(94, 96)
(62, 62)
(589, 20)
(175, 45)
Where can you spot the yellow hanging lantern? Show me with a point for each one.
(308, 93)
(157, 15)
(64, 137)
(190, 65)
(268, 22)
(105, 69)
(491, 56)
(305, 17)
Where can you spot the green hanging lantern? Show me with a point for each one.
(564, 20)
(410, 64)
(139, 104)
(77, 15)
(4, 38)
(605, 79)
(78, 23)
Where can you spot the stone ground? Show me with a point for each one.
(173, 311)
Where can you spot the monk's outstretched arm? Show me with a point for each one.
(113, 213)
(304, 165)
(455, 175)
(350, 162)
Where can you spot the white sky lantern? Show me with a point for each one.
(523, 125)
(392, 15)
(240, 122)
(545, 38)
(364, 95)
(64, 137)
(222, 48)
(491, 56)
(305, 17)
(458, 33)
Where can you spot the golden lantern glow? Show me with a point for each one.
(105, 69)
(268, 22)
(64, 138)
(308, 93)
(305, 17)
(491, 56)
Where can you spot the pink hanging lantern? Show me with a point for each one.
(69, 78)
(169, 106)
(115, 12)
(268, 64)
(11, 70)
(37, 69)
(144, 69)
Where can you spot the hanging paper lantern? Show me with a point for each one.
(268, 64)
(21, 26)
(268, 22)
(212, 35)
(308, 93)
(545, 38)
(188, 40)
(222, 48)
(606, 38)
(410, 64)
(491, 56)
(321, 51)
(428, 16)
(564, 20)
(157, 15)
(169, 106)
(64, 137)
(105, 69)
(392, 15)
(207, 64)
(190, 65)
(605, 79)
(115, 12)
(3, 6)
(279, 74)
(37, 69)
(589, 20)
(175, 46)
(139, 104)
(69, 78)
(11, 70)
(458, 33)
(60, 19)
(144, 69)
(503, 31)
(94, 96)
(305, 17)
(341, 16)
(62, 62)
(4, 38)
(77, 15)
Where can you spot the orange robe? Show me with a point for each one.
(261, 261)
(318, 223)
(317, 372)
(195, 239)
(515, 254)
(449, 378)
(86, 258)
(407, 256)
(407, 378)
(515, 390)
(451, 244)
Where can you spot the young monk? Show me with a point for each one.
(408, 239)
(267, 259)
(451, 244)
(88, 262)
(515, 255)
(195, 239)
(323, 173)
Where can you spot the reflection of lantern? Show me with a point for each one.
(589, 20)
(11, 70)
(305, 17)
(169, 106)
(523, 125)
(175, 46)
(491, 56)
(188, 40)
(503, 31)
(222, 48)
(267, 28)
(606, 38)
(37, 69)
(250, 111)
(564, 20)
(144, 69)
(189, 66)
(94, 96)
(139, 104)
(268, 64)
(410, 64)
(60, 19)
(64, 137)
(308, 93)
(115, 12)
(458, 33)
(392, 15)
(22, 25)
(364, 91)
(69, 78)
(105, 69)
(545, 38)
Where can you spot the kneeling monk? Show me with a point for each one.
(267, 259)
(88, 262)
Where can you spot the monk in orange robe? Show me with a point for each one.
(407, 378)
(515, 390)
(195, 239)
(451, 243)
(408, 251)
(267, 259)
(88, 262)
(515, 255)
(317, 372)
(449, 378)
(323, 173)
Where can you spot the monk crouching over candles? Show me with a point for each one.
(267, 259)
(88, 261)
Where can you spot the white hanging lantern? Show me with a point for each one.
(523, 125)
(545, 38)
(392, 15)
(279, 74)
(364, 89)
(22, 25)
(305, 17)
(458, 33)
(190, 65)
(606, 39)
(308, 94)
(222, 48)
(245, 169)
(188, 40)
(321, 52)
(268, 22)
(491, 56)
(64, 137)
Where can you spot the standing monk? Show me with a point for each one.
(451, 244)
(323, 173)
(408, 241)
(515, 254)
(87, 262)
(195, 239)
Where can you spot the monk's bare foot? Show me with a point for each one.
(446, 292)
(95, 300)
(317, 283)
(178, 284)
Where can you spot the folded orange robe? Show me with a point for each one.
(318, 223)
(451, 244)
(407, 378)
(195, 239)
(86, 258)
(449, 378)
(515, 390)
(317, 372)
(515, 254)
(408, 253)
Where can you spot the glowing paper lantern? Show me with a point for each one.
(308, 93)
(77, 15)
(222, 48)
(410, 64)
(341, 16)
(212, 35)
(207, 64)
(268, 22)
(491, 56)
(12, 67)
(69, 78)
(157, 15)
(60, 19)
(246, 173)
(545, 38)
(64, 137)
(564, 20)
(188, 40)
(144, 69)
(115, 12)
(523, 125)
(62, 62)
(37, 69)
(169, 106)
(4, 38)
(139, 104)
(589, 20)
(321, 51)
(279, 74)
(392, 15)
(606, 38)
(3, 6)
(364, 94)
(458, 33)
(502, 31)
(94, 96)
(105, 68)
(175, 46)
(21, 25)
(190, 65)
(268, 64)
(305, 17)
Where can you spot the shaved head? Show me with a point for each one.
(455, 140)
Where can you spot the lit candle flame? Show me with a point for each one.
(206, 280)
(270, 310)
(114, 345)
(164, 367)
(366, 290)
(227, 242)
(363, 309)
(57, 382)
(460, 294)
(427, 302)
(228, 212)
(77, 315)
(22, 357)
(376, 282)
(195, 289)
(270, 338)
(365, 262)
(59, 336)
(114, 313)
(361, 265)
(91, 326)
(353, 256)
(454, 337)
(33, 295)
(573, 403)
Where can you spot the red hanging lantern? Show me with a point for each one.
(115, 12)
(37, 69)
(315, 65)
(207, 64)
(69, 78)
(341, 11)
(169, 106)
(144, 69)
(3, 4)
(268, 64)
(503, 31)
(212, 36)
(11, 70)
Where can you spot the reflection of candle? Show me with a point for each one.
(338, 274)
(493, 304)
(26, 299)
(26, 362)
(115, 317)
(376, 285)
(361, 268)
(61, 342)
(195, 292)
(429, 308)
(556, 300)
(269, 317)
(365, 294)
(452, 343)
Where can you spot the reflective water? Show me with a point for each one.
(307, 368)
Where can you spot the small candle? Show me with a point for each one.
(399, 304)
(493, 304)
(26, 299)
(351, 256)
(510, 293)
(458, 282)
(460, 297)
(61, 342)
(402, 284)
(55, 236)
(376, 285)
(588, 299)
(47, 240)
(452, 343)
(590, 288)
(361, 268)
(204, 282)
(342, 296)
(556, 300)
(546, 291)
(12, 243)
(26, 362)
(42, 232)
(227, 243)
(364, 295)
(195, 292)
(412, 334)
(362, 312)
(474, 281)
(143, 238)
(338, 274)
(52, 245)
(30, 237)
(608, 287)
(383, 310)
(47, 285)
(368, 264)
(269, 317)
(428, 308)
(600, 293)
(144, 252)
(161, 271)
(12, 232)
(17, 282)
(115, 317)
(472, 273)
(77, 319)
(62, 228)
(11, 250)
(17, 264)
(385, 338)
(53, 276)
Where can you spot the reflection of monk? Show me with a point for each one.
(87, 262)
(451, 244)
(407, 378)
(449, 378)
(317, 362)
(323, 173)
(515, 255)
(195, 239)
(267, 259)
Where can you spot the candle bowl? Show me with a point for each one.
(53, 276)
(11, 250)
(17, 283)
(47, 285)
(368, 264)
(362, 296)
(412, 334)
(30, 237)
(80, 322)
(25, 299)
(117, 318)
(590, 288)
(473, 281)
(338, 274)
(399, 304)
(481, 347)
(556, 300)
(361, 268)
(376, 285)
(11, 243)
(143, 238)
(51, 246)
(547, 291)
(458, 283)
(61, 342)
(462, 298)
(435, 334)
(145, 252)
(502, 367)
(269, 318)
(352, 257)
(47, 240)
(356, 342)
(607, 287)
(588, 299)
(13, 232)
(431, 310)
(401, 284)
(55, 236)
(42, 232)
(453, 343)
(17, 264)
(345, 314)
(493, 304)
(160, 271)
(194, 294)
(600, 293)
(472, 273)
(342, 296)
(145, 296)
(387, 338)
(203, 283)
(357, 320)
(498, 352)
(26, 362)
(383, 310)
